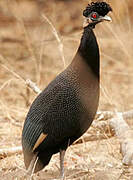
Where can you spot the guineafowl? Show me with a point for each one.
(65, 109)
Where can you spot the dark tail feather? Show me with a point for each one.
(43, 160)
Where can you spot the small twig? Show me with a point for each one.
(128, 114)
(28, 42)
(11, 71)
(6, 83)
(57, 38)
(123, 47)
(28, 82)
(110, 114)
(33, 86)
(125, 135)
(9, 151)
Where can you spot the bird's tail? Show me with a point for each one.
(43, 160)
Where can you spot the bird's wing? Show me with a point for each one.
(53, 115)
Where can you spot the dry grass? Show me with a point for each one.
(29, 49)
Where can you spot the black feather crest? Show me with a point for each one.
(102, 8)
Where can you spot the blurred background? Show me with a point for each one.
(38, 39)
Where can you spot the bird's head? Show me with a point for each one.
(95, 13)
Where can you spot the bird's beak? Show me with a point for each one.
(105, 18)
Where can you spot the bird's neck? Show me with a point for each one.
(88, 51)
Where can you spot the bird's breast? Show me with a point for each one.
(86, 86)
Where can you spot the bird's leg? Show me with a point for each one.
(62, 154)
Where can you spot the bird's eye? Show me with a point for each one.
(94, 16)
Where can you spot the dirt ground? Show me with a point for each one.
(29, 50)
